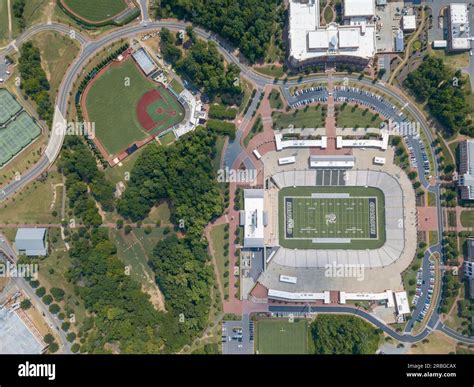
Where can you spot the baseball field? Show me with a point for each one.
(95, 11)
(331, 217)
(126, 107)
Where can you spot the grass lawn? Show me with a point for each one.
(275, 99)
(467, 218)
(118, 173)
(112, 105)
(35, 203)
(94, 10)
(256, 128)
(350, 117)
(57, 53)
(281, 337)
(161, 212)
(219, 147)
(432, 237)
(431, 199)
(53, 273)
(357, 218)
(310, 117)
(4, 21)
(270, 70)
(328, 14)
(438, 343)
(454, 60)
(218, 241)
(176, 86)
(168, 138)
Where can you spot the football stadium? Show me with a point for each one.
(329, 217)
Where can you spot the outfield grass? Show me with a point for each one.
(281, 337)
(310, 117)
(350, 117)
(95, 11)
(112, 105)
(467, 218)
(331, 218)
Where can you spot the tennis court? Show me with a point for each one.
(8, 106)
(18, 134)
(282, 337)
(341, 216)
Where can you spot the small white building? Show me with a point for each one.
(458, 27)
(409, 23)
(32, 242)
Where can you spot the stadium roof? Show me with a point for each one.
(359, 8)
(144, 61)
(253, 218)
(321, 161)
(31, 241)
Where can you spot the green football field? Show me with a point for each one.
(111, 104)
(281, 337)
(331, 217)
(95, 10)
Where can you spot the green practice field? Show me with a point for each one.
(331, 218)
(95, 10)
(112, 104)
(281, 337)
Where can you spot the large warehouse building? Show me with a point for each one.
(353, 42)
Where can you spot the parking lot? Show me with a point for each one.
(238, 337)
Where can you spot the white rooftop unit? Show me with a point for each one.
(409, 23)
(287, 160)
(288, 279)
(349, 38)
(359, 8)
(440, 43)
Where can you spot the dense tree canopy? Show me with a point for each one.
(204, 65)
(344, 335)
(248, 24)
(34, 81)
(184, 175)
(82, 175)
(185, 280)
(443, 91)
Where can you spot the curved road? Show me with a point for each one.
(91, 47)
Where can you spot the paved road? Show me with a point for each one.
(90, 48)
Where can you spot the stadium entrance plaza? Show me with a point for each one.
(385, 276)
